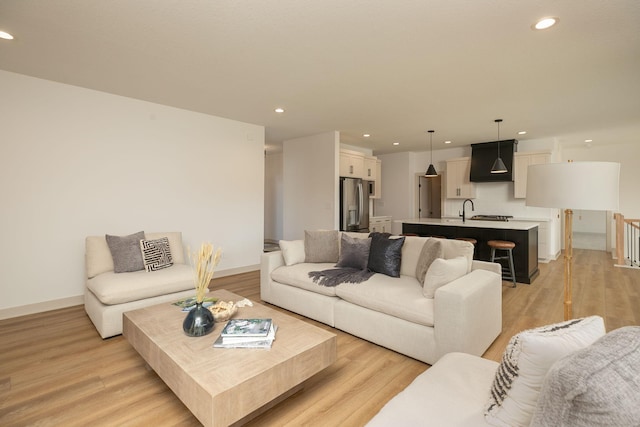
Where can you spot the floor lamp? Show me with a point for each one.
(568, 186)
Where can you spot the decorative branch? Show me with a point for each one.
(204, 262)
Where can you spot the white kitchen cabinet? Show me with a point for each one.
(375, 187)
(369, 168)
(457, 180)
(521, 162)
(351, 164)
(381, 224)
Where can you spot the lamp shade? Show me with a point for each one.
(431, 172)
(574, 185)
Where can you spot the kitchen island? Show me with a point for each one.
(523, 234)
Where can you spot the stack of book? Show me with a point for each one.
(247, 333)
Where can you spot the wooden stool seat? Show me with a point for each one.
(501, 244)
(468, 239)
(438, 237)
(508, 273)
(410, 234)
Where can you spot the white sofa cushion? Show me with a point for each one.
(450, 393)
(396, 296)
(298, 276)
(525, 363)
(441, 272)
(113, 288)
(292, 251)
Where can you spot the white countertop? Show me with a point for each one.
(504, 225)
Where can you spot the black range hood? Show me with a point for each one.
(484, 154)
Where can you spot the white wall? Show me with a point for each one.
(628, 155)
(273, 194)
(310, 184)
(397, 188)
(77, 162)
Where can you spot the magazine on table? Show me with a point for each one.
(247, 342)
(247, 328)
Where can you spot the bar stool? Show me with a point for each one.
(503, 245)
(468, 239)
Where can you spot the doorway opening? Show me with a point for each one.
(429, 197)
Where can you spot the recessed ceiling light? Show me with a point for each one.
(545, 23)
(588, 140)
(279, 110)
(366, 135)
(447, 142)
(396, 143)
(5, 36)
(522, 132)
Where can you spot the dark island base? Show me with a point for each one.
(525, 254)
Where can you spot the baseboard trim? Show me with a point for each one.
(39, 307)
(237, 270)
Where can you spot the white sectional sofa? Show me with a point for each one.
(571, 375)
(108, 294)
(465, 315)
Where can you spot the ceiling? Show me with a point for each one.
(387, 68)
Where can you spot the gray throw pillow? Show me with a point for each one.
(385, 255)
(354, 252)
(321, 246)
(125, 251)
(596, 386)
(431, 250)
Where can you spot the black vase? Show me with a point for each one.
(199, 321)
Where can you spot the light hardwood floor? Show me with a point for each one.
(55, 369)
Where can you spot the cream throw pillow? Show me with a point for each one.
(292, 251)
(525, 363)
(441, 272)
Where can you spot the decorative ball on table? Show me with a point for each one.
(200, 320)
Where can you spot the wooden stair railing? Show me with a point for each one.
(627, 236)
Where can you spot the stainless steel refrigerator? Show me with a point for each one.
(354, 205)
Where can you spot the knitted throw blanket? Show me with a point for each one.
(335, 276)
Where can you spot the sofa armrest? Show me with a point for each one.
(269, 261)
(468, 313)
(486, 265)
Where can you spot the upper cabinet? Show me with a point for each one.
(354, 164)
(521, 162)
(457, 180)
(370, 168)
(351, 164)
(375, 187)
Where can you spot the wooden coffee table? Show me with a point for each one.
(225, 386)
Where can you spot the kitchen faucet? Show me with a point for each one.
(464, 203)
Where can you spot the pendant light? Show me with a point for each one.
(498, 165)
(431, 171)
